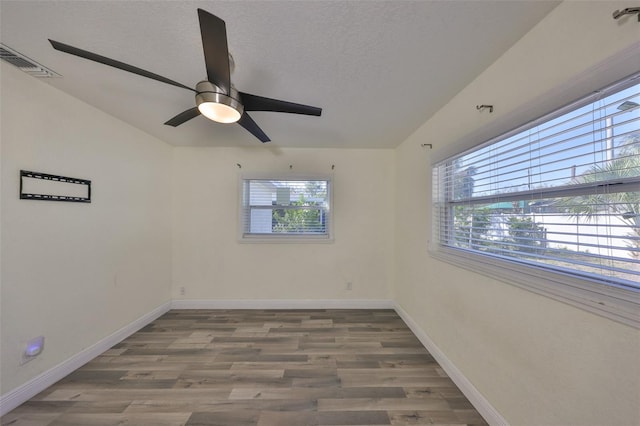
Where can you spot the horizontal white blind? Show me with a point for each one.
(280, 207)
(563, 194)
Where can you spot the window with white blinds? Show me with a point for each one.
(561, 193)
(286, 208)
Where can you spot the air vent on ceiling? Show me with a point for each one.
(27, 65)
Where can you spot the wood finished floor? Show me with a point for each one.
(258, 367)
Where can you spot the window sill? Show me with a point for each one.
(285, 239)
(618, 304)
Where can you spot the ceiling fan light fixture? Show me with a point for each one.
(219, 112)
(217, 106)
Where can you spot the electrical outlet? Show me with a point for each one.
(349, 286)
(183, 291)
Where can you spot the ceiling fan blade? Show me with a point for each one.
(113, 63)
(258, 103)
(183, 117)
(216, 52)
(248, 123)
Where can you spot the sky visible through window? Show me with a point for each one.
(565, 147)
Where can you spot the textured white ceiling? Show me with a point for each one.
(378, 69)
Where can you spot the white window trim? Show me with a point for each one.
(616, 303)
(283, 238)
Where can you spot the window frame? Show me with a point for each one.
(619, 303)
(245, 237)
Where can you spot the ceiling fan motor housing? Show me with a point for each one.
(213, 103)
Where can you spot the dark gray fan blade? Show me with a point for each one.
(216, 53)
(258, 103)
(248, 123)
(183, 117)
(113, 63)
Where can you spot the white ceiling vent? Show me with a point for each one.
(27, 65)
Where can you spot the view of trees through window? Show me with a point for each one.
(284, 207)
(304, 214)
(564, 194)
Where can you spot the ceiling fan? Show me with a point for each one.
(216, 98)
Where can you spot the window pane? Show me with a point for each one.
(557, 234)
(582, 143)
(563, 194)
(286, 207)
(299, 221)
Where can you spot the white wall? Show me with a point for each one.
(211, 263)
(75, 273)
(537, 361)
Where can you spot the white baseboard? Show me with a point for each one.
(282, 304)
(23, 393)
(490, 414)
(19, 395)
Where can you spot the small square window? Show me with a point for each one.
(290, 209)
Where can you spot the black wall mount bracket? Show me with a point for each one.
(80, 195)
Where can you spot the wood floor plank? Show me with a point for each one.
(387, 404)
(257, 367)
(146, 419)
